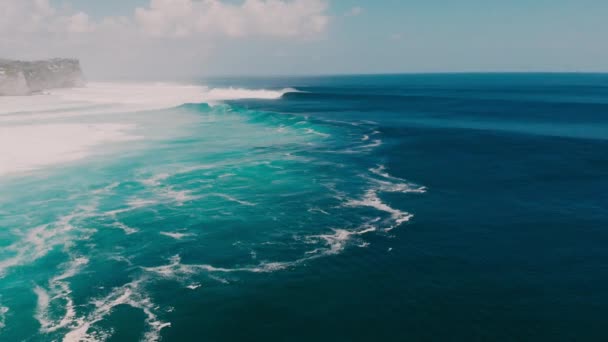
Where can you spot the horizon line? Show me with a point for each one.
(371, 74)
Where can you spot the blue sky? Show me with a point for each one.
(364, 36)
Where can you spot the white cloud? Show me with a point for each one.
(274, 18)
(79, 23)
(27, 19)
(251, 18)
(353, 12)
(179, 33)
(396, 36)
(24, 16)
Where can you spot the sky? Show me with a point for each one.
(188, 38)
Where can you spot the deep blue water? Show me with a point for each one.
(460, 207)
(508, 243)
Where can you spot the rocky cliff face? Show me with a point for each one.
(25, 78)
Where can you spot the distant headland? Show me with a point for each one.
(30, 77)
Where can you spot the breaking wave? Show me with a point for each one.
(180, 196)
(34, 132)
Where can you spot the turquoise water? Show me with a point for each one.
(113, 246)
(356, 208)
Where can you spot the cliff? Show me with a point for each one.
(25, 78)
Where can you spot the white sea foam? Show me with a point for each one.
(163, 195)
(137, 203)
(380, 170)
(3, 311)
(337, 241)
(132, 204)
(28, 147)
(58, 291)
(384, 186)
(222, 94)
(176, 235)
(121, 258)
(317, 210)
(178, 196)
(106, 189)
(232, 199)
(38, 241)
(312, 131)
(371, 199)
(156, 179)
(386, 183)
(176, 270)
(128, 230)
(32, 138)
(111, 97)
(394, 184)
(193, 286)
(334, 243)
(131, 294)
(373, 144)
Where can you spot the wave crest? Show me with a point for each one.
(34, 132)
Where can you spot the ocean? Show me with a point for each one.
(431, 207)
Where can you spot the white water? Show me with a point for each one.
(3, 311)
(55, 310)
(29, 147)
(48, 129)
